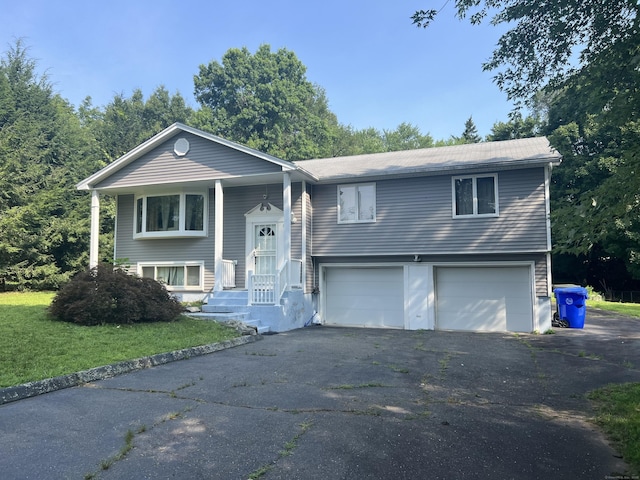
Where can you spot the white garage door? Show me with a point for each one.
(490, 299)
(364, 297)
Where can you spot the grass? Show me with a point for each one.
(34, 347)
(618, 414)
(618, 406)
(629, 309)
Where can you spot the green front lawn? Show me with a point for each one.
(34, 347)
(629, 309)
(618, 413)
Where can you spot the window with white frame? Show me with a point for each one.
(175, 276)
(475, 195)
(357, 203)
(174, 215)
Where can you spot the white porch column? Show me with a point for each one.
(286, 203)
(218, 235)
(94, 239)
(303, 222)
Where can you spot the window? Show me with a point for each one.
(357, 203)
(475, 195)
(174, 276)
(175, 215)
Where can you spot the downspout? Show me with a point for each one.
(547, 205)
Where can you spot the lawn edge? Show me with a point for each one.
(39, 387)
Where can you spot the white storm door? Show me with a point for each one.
(265, 248)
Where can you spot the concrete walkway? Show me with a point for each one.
(338, 403)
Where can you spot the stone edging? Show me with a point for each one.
(31, 389)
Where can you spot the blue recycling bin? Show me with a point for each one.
(572, 305)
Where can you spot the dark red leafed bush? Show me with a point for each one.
(106, 295)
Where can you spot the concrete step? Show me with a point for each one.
(242, 317)
(227, 298)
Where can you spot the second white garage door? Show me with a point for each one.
(493, 299)
(364, 297)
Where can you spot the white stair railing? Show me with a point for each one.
(229, 273)
(262, 289)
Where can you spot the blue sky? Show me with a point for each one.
(378, 70)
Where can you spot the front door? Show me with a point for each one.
(264, 226)
(265, 241)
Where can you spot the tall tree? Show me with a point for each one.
(582, 57)
(545, 38)
(265, 101)
(43, 153)
(470, 133)
(406, 137)
(126, 122)
(516, 127)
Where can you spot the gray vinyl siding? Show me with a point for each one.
(540, 265)
(414, 216)
(162, 249)
(204, 161)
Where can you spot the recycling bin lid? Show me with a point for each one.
(573, 290)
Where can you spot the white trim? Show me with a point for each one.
(549, 276)
(184, 288)
(115, 228)
(181, 232)
(94, 242)
(357, 187)
(474, 180)
(435, 254)
(257, 216)
(218, 233)
(547, 203)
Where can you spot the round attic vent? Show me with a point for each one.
(181, 147)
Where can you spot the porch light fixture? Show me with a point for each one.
(265, 201)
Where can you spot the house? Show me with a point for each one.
(454, 238)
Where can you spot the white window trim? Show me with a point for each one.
(181, 232)
(357, 186)
(173, 288)
(475, 213)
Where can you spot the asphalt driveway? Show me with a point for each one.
(338, 403)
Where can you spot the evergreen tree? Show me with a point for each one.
(470, 134)
(44, 222)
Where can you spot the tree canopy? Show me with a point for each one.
(547, 38)
(265, 101)
(43, 150)
(577, 61)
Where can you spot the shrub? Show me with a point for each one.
(106, 295)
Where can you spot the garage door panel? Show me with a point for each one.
(484, 298)
(371, 297)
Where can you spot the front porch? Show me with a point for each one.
(272, 303)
